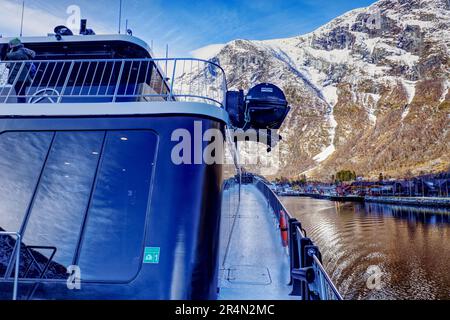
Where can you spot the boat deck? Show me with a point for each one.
(254, 265)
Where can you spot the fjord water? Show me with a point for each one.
(404, 251)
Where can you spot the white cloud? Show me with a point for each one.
(207, 52)
(36, 21)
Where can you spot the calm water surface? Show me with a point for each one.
(409, 246)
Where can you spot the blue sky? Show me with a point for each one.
(184, 25)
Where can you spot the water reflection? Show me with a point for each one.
(409, 245)
(427, 215)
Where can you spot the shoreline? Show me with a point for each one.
(414, 201)
(409, 201)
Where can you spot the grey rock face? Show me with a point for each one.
(338, 38)
(411, 39)
(371, 87)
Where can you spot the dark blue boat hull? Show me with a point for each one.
(182, 218)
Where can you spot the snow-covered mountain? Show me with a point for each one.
(369, 90)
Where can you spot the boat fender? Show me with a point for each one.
(283, 229)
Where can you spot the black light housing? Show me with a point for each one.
(63, 31)
(264, 107)
(84, 30)
(83, 26)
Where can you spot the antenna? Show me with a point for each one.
(167, 56)
(120, 14)
(21, 20)
(128, 31)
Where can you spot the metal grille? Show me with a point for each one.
(87, 81)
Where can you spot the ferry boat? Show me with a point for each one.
(92, 204)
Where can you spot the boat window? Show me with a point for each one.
(86, 196)
(21, 161)
(113, 238)
(54, 225)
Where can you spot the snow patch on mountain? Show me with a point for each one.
(370, 101)
(406, 58)
(371, 44)
(331, 95)
(410, 88)
(328, 151)
(445, 92)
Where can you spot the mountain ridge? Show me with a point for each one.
(369, 90)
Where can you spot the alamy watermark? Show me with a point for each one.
(374, 280)
(74, 279)
(213, 146)
(373, 22)
(74, 19)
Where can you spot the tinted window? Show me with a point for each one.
(99, 178)
(113, 238)
(22, 157)
(60, 204)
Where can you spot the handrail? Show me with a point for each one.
(16, 249)
(112, 80)
(327, 278)
(309, 278)
(33, 260)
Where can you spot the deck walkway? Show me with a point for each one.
(255, 266)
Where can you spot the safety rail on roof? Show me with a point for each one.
(308, 276)
(115, 80)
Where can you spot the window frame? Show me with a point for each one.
(81, 232)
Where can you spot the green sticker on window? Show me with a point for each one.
(151, 255)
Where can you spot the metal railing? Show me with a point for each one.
(309, 278)
(16, 251)
(103, 80)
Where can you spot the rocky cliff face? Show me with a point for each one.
(369, 91)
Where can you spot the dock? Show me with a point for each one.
(409, 201)
(412, 201)
(346, 198)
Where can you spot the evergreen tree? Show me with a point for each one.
(345, 175)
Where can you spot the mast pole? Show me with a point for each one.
(120, 14)
(167, 56)
(21, 20)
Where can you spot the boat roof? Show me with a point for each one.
(132, 41)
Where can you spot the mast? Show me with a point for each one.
(21, 20)
(120, 14)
